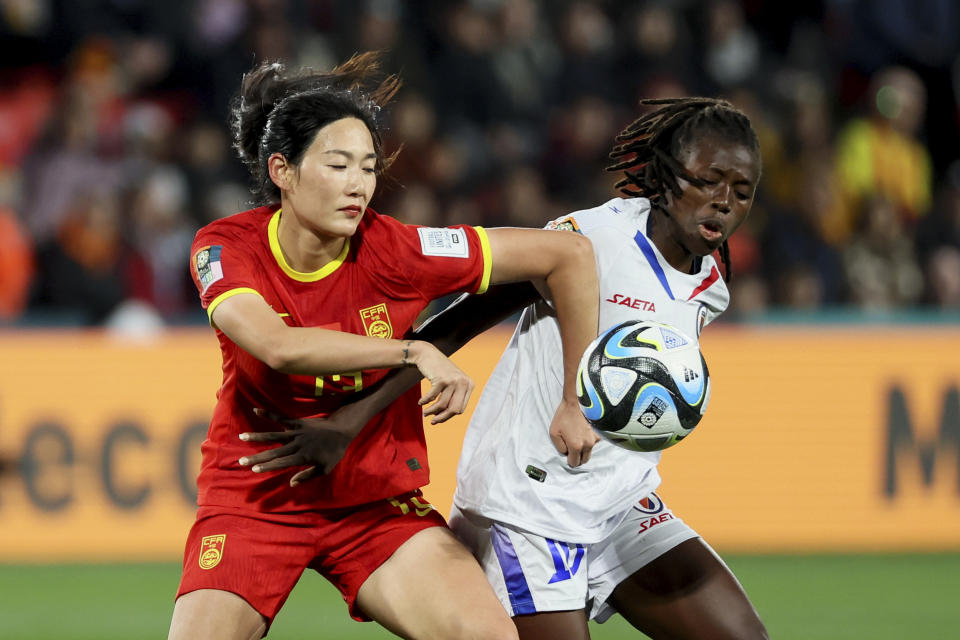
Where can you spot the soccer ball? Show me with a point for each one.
(643, 385)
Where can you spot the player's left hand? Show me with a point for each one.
(450, 387)
(572, 435)
(307, 441)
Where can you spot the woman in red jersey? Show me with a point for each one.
(311, 296)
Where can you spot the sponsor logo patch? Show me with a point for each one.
(646, 525)
(701, 318)
(211, 550)
(633, 303)
(651, 504)
(376, 321)
(207, 263)
(449, 243)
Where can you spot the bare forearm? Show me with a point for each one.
(312, 351)
(471, 315)
(577, 308)
(250, 323)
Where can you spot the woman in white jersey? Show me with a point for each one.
(567, 526)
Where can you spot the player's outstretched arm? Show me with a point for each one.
(250, 322)
(573, 289)
(319, 443)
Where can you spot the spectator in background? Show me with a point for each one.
(16, 258)
(527, 66)
(465, 86)
(526, 63)
(524, 199)
(208, 168)
(656, 49)
(801, 143)
(942, 226)
(577, 135)
(943, 278)
(162, 236)
(879, 263)
(732, 56)
(938, 243)
(808, 269)
(87, 270)
(881, 155)
(414, 126)
(587, 38)
(81, 143)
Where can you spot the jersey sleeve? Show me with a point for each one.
(220, 268)
(443, 260)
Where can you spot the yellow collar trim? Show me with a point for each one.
(274, 238)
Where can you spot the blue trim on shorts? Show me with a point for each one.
(520, 597)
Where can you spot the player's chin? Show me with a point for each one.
(701, 246)
(346, 228)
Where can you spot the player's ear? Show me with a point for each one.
(281, 172)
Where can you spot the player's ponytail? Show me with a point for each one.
(280, 111)
(260, 91)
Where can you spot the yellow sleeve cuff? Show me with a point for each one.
(487, 259)
(223, 296)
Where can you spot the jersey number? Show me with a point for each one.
(566, 559)
(339, 383)
(420, 508)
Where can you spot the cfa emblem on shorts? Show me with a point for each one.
(211, 550)
(376, 321)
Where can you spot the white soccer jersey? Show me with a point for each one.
(509, 470)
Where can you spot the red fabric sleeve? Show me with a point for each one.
(219, 264)
(443, 260)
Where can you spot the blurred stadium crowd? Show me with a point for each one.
(114, 145)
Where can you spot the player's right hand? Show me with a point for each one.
(571, 434)
(311, 442)
(450, 387)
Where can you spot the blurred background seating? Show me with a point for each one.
(114, 146)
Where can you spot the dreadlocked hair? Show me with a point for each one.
(650, 146)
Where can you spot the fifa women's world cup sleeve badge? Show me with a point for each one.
(207, 263)
(564, 224)
(211, 550)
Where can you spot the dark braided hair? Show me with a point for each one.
(650, 148)
(281, 111)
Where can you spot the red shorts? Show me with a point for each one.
(260, 556)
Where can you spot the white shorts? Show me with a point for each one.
(533, 574)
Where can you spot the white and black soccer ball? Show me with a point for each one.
(643, 385)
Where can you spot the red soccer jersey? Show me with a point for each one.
(386, 275)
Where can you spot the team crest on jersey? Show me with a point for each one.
(376, 321)
(701, 318)
(211, 550)
(650, 505)
(567, 224)
(207, 263)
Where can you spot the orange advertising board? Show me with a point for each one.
(815, 439)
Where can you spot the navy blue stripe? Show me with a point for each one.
(651, 257)
(520, 597)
